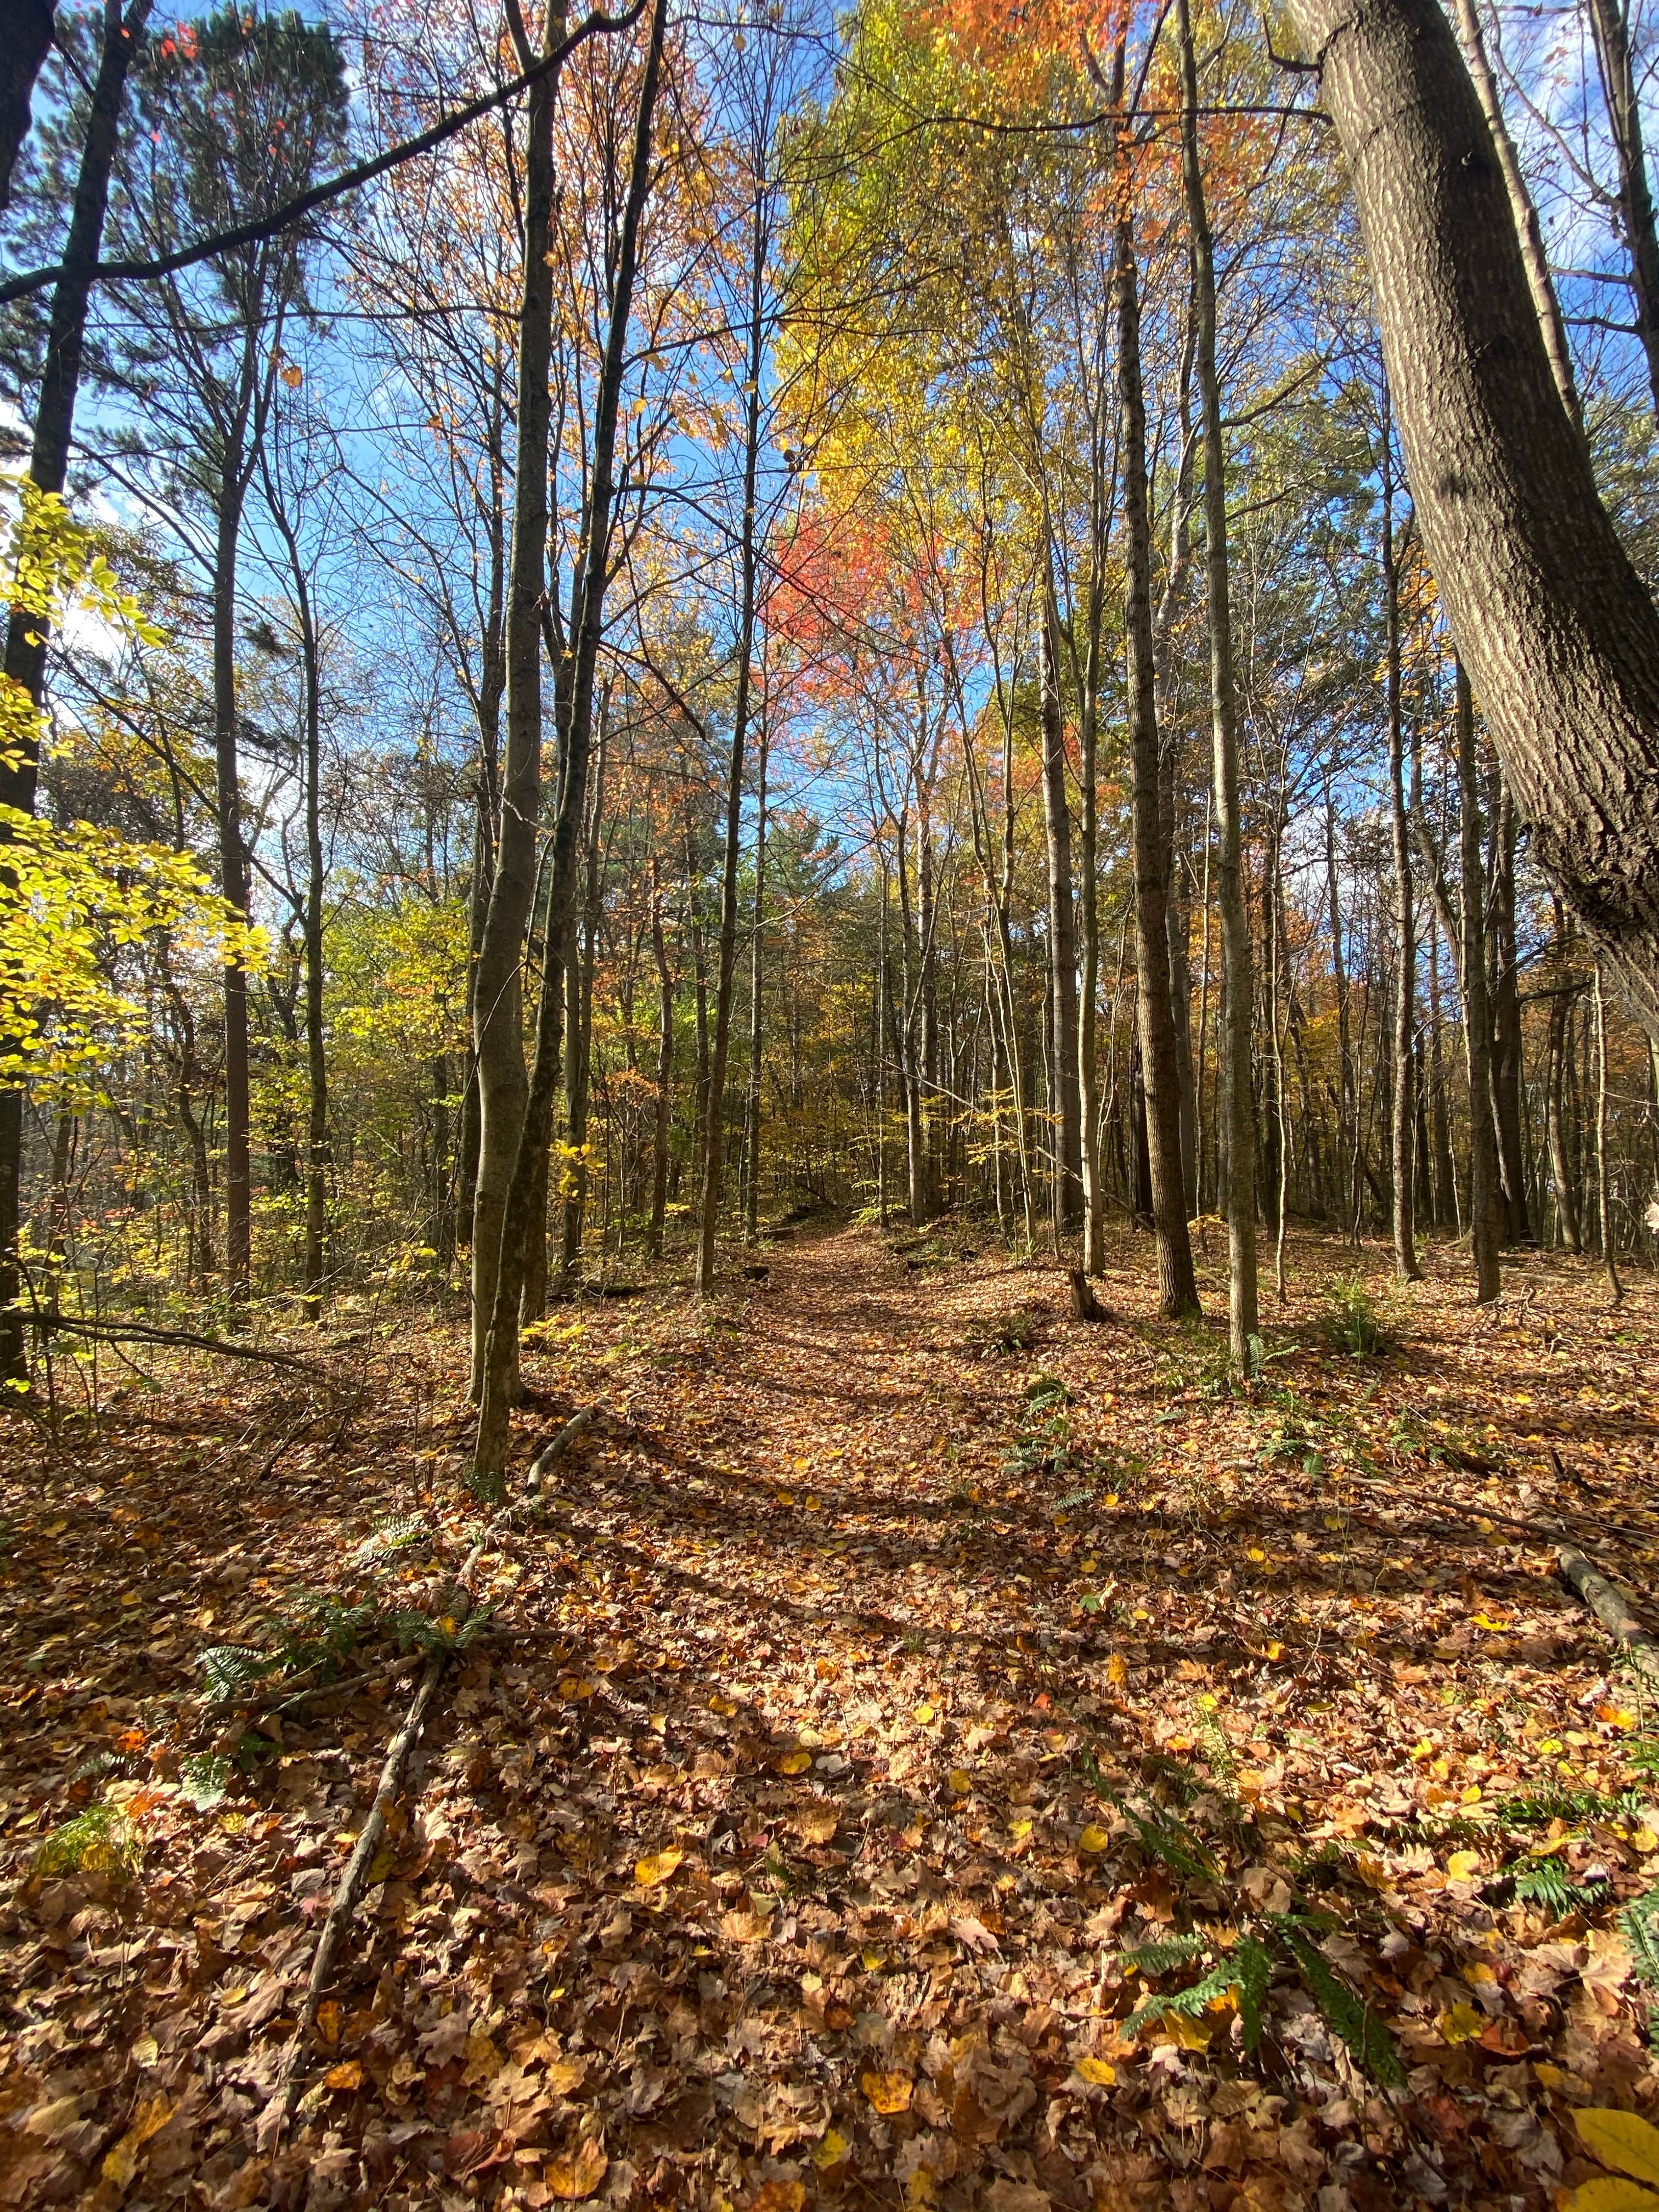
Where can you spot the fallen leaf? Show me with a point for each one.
(656, 1868)
(574, 2175)
(889, 2093)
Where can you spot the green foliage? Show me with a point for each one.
(1352, 1323)
(232, 1669)
(392, 1533)
(1368, 2041)
(204, 1779)
(101, 1840)
(1545, 1882)
(321, 1632)
(1640, 1925)
(1171, 1840)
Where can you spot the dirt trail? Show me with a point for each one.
(892, 1659)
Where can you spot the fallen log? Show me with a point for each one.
(1612, 1608)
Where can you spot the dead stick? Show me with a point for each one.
(1608, 1603)
(459, 1605)
(567, 1435)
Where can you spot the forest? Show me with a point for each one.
(829, 1105)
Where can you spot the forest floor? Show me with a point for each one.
(892, 1660)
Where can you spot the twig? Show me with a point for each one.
(137, 1332)
(352, 1684)
(457, 1604)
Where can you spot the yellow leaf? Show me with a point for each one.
(574, 2175)
(1100, 2071)
(779, 2196)
(1256, 1553)
(1019, 1830)
(794, 1762)
(1605, 2194)
(889, 2093)
(1645, 1841)
(831, 2151)
(922, 1713)
(1617, 1716)
(1548, 2076)
(328, 2021)
(293, 376)
(1620, 2139)
(657, 1866)
(816, 1824)
(1182, 2028)
(722, 1705)
(1117, 1670)
(564, 2077)
(349, 2075)
(121, 2163)
(1275, 1650)
(961, 1781)
(1462, 1864)
(1094, 1838)
(1461, 2023)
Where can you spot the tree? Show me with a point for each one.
(241, 112)
(28, 43)
(1560, 637)
(27, 626)
(1236, 1104)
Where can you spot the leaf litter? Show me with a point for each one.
(915, 1747)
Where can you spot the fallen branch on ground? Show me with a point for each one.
(457, 1606)
(1608, 1602)
(138, 1332)
(549, 1453)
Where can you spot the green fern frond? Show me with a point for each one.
(231, 1668)
(1178, 1848)
(1168, 1951)
(1368, 2041)
(1639, 1923)
(1253, 1970)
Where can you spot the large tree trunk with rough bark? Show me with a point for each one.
(1559, 636)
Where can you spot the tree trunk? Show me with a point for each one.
(1611, 27)
(1238, 986)
(1062, 937)
(1177, 1286)
(1506, 1072)
(1405, 928)
(579, 1003)
(1566, 1205)
(22, 57)
(665, 1069)
(1484, 1228)
(713, 1142)
(498, 989)
(1558, 632)
(1603, 1182)
(587, 617)
(1528, 230)
(752, 1116)
(49, 451)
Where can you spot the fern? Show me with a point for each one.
(1369, 2043)
(1253, 1970)
(231, 1668)
(1639, 1923)
(205, 1779)
(1168, 1951)
(1178, 1848)
(1244, 1974)
(392, 1533)
(1544, 1882)
(101, 1840)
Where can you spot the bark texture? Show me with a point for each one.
(1559, 636)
